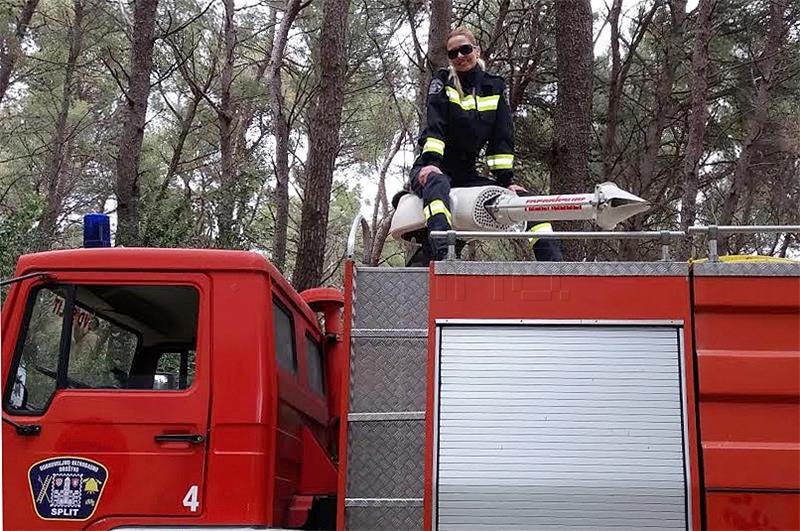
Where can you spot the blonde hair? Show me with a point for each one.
(453, 77)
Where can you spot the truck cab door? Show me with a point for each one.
(109, 381)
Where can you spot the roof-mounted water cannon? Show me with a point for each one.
(607, 207)
(492, 208)
(96, 231)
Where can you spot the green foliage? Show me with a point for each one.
(16, 230)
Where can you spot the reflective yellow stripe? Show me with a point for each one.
(488, 103)
(433, 144)
(455, 97)
(470, 102)
(540, 227)
(437, 207)
(503, 161)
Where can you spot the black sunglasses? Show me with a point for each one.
(464, 49)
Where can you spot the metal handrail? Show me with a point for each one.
(664, 237)
(351, 237)
(744, 229)
(598, 235)
(712, 232)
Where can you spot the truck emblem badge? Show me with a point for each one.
(66, 488)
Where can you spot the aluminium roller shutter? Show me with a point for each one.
(559, 426)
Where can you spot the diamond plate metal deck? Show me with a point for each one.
(391, 298)
(384, 518)
(387, 374)
(747, 269)
(385, 459)
(386, 432)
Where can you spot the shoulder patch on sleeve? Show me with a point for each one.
(436, 86)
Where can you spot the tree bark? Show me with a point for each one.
(226, 112)
(573, 114)
(54, 170)
(498, 29)
(614, 92)
(645, 170)
(281, 122)
(523, 76)
(697, 120)
(619, 74)
(436, 57)
(12, 46)
(324, 125)
(743, 182)
(665, 104)
(381, 220)
(133, 120)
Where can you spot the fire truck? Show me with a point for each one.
(178, 389)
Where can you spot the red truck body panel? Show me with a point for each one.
(747, 333)
(253, 411)
(562, 297)
(269, 432)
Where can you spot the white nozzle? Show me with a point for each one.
(494, 208)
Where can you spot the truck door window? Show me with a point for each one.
(101, 352)
(285, 351)
(316, 372)
(114, 339)
(35, 377)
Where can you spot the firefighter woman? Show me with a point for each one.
(466, 110)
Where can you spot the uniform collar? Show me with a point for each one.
(471, 78)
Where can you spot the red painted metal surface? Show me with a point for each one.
(117, 429)
(329, 302)
(747, 333)
(298, 511)
(298, 407)
(752, 511)
(343, 405)
(248, 472)
(318, 474)
(563, 297)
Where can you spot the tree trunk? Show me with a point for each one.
(619, 74)
(498, 29)
(523, 76)
(381, 220)
(436, 57)
(324, 125)
(697, 121)
(614, 92)
(12, 46)
(665, 104)
(133, 119)
(664, 110)
(573, 114)
(281, 122)
(247, 108)
(743, 183)
(54, 171)
(227, 237)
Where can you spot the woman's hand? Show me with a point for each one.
(422, 176)
(516, 188)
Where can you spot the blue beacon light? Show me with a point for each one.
(96, 231)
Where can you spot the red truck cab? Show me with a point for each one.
(165, 387)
